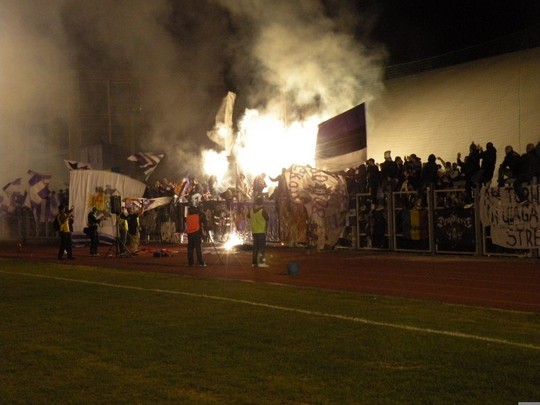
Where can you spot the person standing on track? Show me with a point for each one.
(259, 223)
(93, 230)
(195, 227)
(65, 226)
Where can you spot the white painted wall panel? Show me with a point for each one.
(495, 99)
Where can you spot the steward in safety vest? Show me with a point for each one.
(195, 228)
(259, 220)
(194, 221)
(123, 228)
(64, 219)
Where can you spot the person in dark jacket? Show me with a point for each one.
(487, 167)
(94, 219)
(508, 169)
(428, 178)
(389, 173)
(373, 179)
(470, 169)
(527, 169)
(134, 228)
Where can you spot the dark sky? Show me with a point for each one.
(418, 29)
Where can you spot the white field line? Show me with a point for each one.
(295, 310)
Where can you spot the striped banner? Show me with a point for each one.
(415, 224)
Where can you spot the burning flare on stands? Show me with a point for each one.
(264, 143)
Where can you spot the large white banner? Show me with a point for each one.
(94, 188)
(325, 198)
(512, 225)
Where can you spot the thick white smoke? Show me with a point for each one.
(185, 54)
(34, 66)
(301, 53)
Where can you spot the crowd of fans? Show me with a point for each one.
(190, 187)
(410, 174)
(474, 170)
(377, 179)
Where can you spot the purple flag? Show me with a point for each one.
(146, 161)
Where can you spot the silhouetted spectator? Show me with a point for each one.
(508, 169)
(487, 167)
(389, 173)
(470, 169)
(373, 178)
(361, 178)
(401, 171)
(527, 171)
(429, 175)
(413, 170)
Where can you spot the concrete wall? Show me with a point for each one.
(442, 111)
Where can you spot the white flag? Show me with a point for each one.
(222, 133)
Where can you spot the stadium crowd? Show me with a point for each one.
(408, 174)
(476, 169)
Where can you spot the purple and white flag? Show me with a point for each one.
(16, 194)
(38, 188)
(37, 195)
(31, 191)
(146, 161)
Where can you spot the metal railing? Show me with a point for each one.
(436, 222)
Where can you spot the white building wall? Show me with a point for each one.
(442, 111)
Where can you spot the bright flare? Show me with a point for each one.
(233, 240)
(215, 164)
(266, 144)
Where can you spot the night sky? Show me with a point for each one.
(418, 29)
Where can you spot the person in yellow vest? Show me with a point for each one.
(259, 223)
(65, 222)
(123, 231)
(195, 227)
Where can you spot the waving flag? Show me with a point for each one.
(222, 133)
(37, 196)
(342, 140)
(16, 194)
(75, 165)
(147, 203)
(31, 191)
(38, 188)
(146, 161)
(15, 187)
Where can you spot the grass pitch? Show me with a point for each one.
(91, 335)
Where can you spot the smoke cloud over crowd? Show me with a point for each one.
(298, 58)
